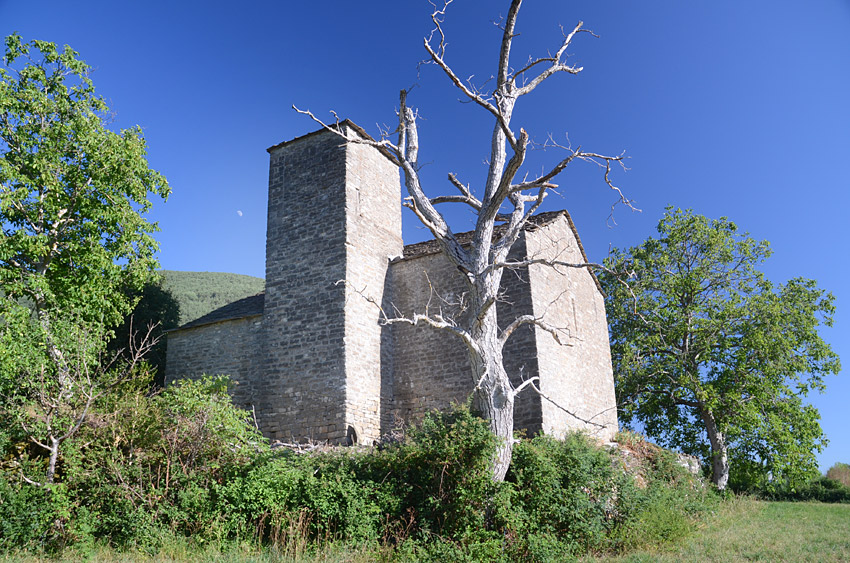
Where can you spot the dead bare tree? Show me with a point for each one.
(502, 212)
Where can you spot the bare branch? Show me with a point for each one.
(556, 64)
(521, 387)
(536, 321)
(507, 40)
(569, 412)
(438, 322)
(437, 56)
(419, 202)
(384, 143)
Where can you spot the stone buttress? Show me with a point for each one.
(334, 222)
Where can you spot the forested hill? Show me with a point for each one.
(198, 293)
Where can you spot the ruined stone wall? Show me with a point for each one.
(578, 377)
(431, 366)
(223, 348)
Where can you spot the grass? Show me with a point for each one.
(743, 530)
(750, 530)
(210, 554)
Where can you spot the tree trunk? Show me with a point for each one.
(719, 456)
(493, 398)
(493, 394)
(54, 457)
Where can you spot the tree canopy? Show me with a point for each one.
(713, 358)
(74, 193)
(74, 242)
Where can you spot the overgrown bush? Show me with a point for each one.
(434, 483)
(758, 482)
(821, 489)
(439, 475)
(142, 467)
(667, 506)
(148, 471)
(568, 490)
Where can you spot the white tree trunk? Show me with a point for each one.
(493, 395)
(719, 454)
(502, 200)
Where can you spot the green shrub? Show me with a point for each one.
(821, 489)
(435, 483)
(839, 472)
(567, 489)
(151, 471)
(439, 475)
(319, 493)
(663, 504)
(30, 517)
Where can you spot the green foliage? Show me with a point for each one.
(147, 470)
(26, 517)
(156, 310)
(839, 472)
(820, 489)
(440, 474)
(73, 192)
(199, 293)
(436, 482)
(290, 498)
(701, 341)
(568, 490)
(141, 468)
(72, 199)
(667, 507)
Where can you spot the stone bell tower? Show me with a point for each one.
(334, 223)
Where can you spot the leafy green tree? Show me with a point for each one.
(74, 193)
(706, 348)
(72, 200)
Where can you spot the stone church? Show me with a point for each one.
(310, 356)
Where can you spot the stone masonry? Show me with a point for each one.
(310, 355)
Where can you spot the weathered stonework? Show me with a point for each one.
(228, 347)
(311, 356)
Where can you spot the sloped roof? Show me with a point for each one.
(345, 122)
(246, 307)
(534, 222)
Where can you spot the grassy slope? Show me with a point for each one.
(749, 530)
(201, 292)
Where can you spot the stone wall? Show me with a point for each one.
(303, 394)
(431, 366)
(318, 364)
(223, 348)
(373, 237)
(334, 223)
(576, 376)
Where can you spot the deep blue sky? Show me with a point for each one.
(727, 107)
